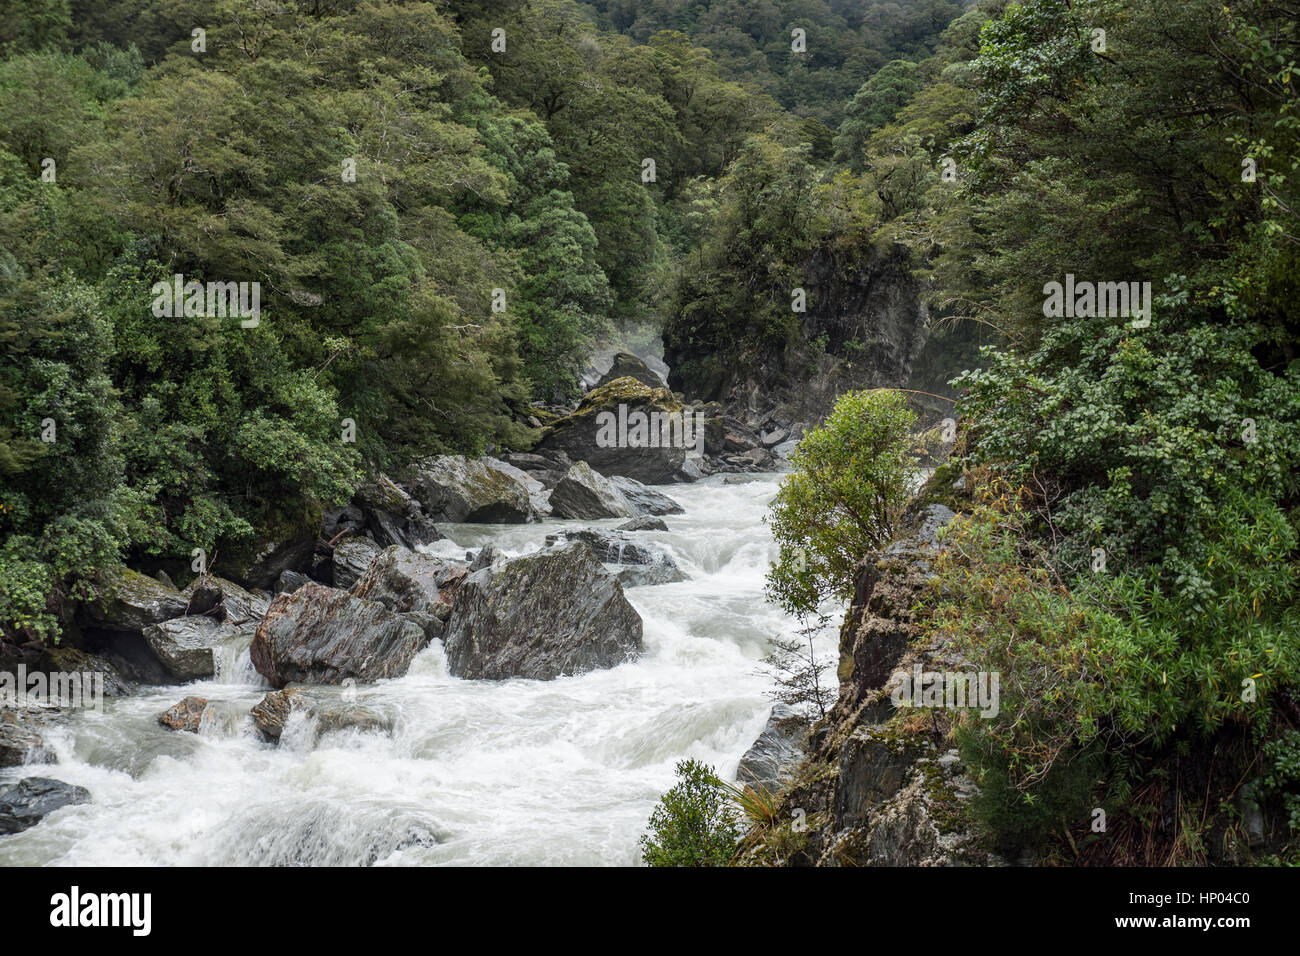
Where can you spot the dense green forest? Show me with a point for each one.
(447, 205)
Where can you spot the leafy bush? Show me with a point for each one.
(851, 480)
(696, 822)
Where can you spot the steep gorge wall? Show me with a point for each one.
(865, 326)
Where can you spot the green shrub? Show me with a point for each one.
(849, 484)
(696, 822)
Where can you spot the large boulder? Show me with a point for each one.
(613, 430)
(584, 494)
(186, 645)
(186, 716)
(627, 365)
(126, 600)
(770, 764)
(352, 557)
(458, 489)
(409, 582)
(32, 799)
(272, 712)
(645, 500)
(541, 616)
(320, 635)
(643, 524)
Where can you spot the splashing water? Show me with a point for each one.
(474, 772)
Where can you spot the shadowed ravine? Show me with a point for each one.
(475, 772)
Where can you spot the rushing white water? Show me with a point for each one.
(475, 772)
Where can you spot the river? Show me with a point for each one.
(561, 772)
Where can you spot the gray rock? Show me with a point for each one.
(643, 524)
(770, 764)
(774, 437)
(409, 582)
(586, 494)
(290, 581)
(646, 575)
(19, 742)
(391, 516)
(645, 564)
(458, 489)
(541, 616)
(352, 557)
(126, 600)
(272, 712)
(785, 449)
(584, 434)
(185, 645)
(32, 799)
(486, 557)
(229, 602)
(645, 500)
(320, 635)
(627, 365)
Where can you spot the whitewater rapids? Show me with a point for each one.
(562, 772)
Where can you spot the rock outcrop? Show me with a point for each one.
(770, 764)
(32, 799)
(585, 494)
(320, 635)
(541, 616)
(627, 365)
(878, 788)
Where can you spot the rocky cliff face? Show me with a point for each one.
(883, 786)
(864, 327)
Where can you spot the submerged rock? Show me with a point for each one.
(272, 712)
(541, 616)
(458, 489)
(32, 799)
(186, 716)
(320, 635)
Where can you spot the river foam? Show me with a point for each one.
(556, 772)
